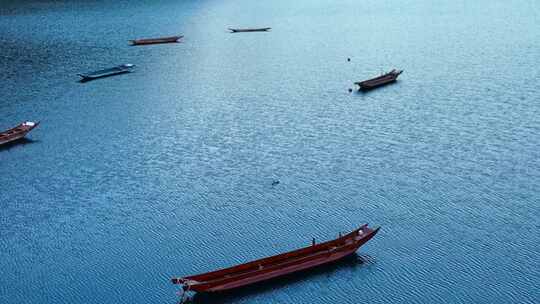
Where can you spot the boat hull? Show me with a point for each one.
(264, 29)
(17, 133)
(118, 70)
(380, 81)
(367, 87)
(172, 39)
(281, 272)
(13, 138)
(85, 78)
(299, 260)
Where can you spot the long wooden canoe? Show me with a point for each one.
(121, 69)
(278, 265)
(18, 132)
(244, 30)
(379, 81)
(146, 41)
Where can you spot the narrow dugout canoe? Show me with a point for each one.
(121, 69)
(278, 265)
(379, 81)
(245, 30)
(146, 41)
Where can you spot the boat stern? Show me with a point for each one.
(187, 284)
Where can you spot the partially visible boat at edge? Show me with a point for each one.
(379, 81)
(278, 265)
(146, 41)
(244, 30)
(18, 132)
(121, 69)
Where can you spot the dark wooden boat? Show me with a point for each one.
(18, 132)
(278, 265)
(245, 30)
(171, 39)
(379, 81)
(121, 69)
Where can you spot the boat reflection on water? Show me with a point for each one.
(349, 263)
(19, 142)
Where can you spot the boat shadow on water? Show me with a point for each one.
(351, 261)
(19, 142)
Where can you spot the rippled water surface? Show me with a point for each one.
(168, 170)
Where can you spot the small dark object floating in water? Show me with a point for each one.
(262, 29)
(171, 39)
(18, 132)
(350, 90)
(121, 69)
(348, 59)
(379, 81)
(278, 265)
(275, 183)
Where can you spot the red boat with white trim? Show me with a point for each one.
(18, 132)
(278, 265)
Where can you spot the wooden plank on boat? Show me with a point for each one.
(379, 81)
(147, 41)
(246, 30)
(121, 69)
(17, 132)
(278, 265)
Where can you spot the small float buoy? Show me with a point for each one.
(350, 90)
(349, 59)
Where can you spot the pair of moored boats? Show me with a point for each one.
(126, 68)
(255, 271)
(17, 132)
(365, 85)
(173, 39)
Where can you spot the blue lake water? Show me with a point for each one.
(167, 171)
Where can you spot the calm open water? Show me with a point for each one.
(168, 170)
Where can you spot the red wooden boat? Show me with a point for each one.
(18, 132)
(171, 39)
(278, 265)
(379, 81)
